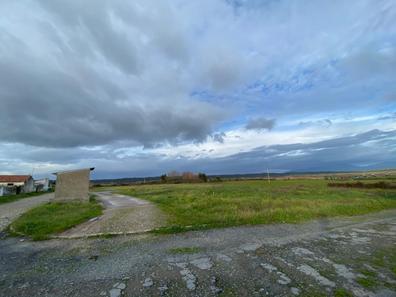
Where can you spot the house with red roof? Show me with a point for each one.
(16, 184)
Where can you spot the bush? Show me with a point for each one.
(377, 185)
(203, 177)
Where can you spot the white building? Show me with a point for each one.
(41, 185)
(16, 184)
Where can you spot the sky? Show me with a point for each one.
(140, 88)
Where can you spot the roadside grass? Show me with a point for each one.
(372, 267)
(54, 217)
(341, 292)
(385, 259)
(185, 250)
(368, 273)
(12, 198)
(209, 205)
(367, 282)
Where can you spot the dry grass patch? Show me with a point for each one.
(199, 206)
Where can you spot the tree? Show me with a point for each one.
(188, 176)
(203, 177)
(173, 173)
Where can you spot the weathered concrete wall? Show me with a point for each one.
(72, 185)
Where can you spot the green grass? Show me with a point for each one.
(385, 259)
(185, 250)
(51, 218)
(381, 261)
(368, 273)
(341, 292)
(12, 198)
(368, 282)
(207, 205)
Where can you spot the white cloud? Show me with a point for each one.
(180, 79)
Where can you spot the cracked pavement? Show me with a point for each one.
(353, 255)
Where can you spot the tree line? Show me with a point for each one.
(183, 177)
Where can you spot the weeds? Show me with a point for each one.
(44, 220)
(377, 185)
(185, 250)
(211, 205)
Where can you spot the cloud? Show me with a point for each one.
(324, 123)
(391, 96)
(391, 117)
(73, 76)
(219, 137)
(371, 61)
(260, 124)
(370, 150)
(375, 148)
(45, 107)
(99, 83)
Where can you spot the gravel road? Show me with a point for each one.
(319, 258)
(122, 214)
(10, 211)
(113, 200)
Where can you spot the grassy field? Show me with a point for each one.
(12, 198)
(50, 218)
(207, 205)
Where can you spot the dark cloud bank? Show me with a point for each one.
(76, 74)
(371, 150)
(260, 124)
(80, 79)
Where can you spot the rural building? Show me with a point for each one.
(42, 185)
(16, 184)
(72, 185)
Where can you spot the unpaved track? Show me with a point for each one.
(122, 215)
(113, 200)
(311, 259)
(10, 211)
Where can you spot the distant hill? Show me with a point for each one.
(358, 174)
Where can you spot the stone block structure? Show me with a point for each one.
(72, 185)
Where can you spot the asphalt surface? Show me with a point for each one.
(320, 258)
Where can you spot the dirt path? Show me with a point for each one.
(10, 211)
(122, 215)
(113, 200)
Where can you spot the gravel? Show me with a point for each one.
(311, 259)
(10, 211)
(122, 215)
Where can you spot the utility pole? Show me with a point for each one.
(268, 176)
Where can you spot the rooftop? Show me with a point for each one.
(14, 178)
(74, 170)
